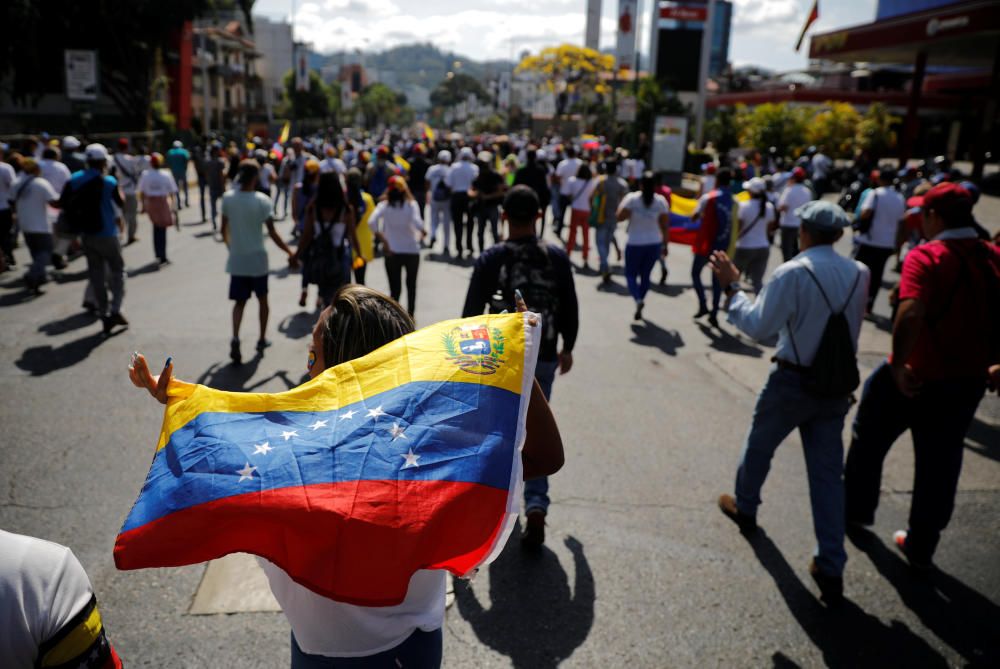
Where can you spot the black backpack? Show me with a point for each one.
(441, 191)
(324, 263)
(834, 371)
(81, 207)
(528, 267)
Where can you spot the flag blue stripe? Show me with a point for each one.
(460, 431)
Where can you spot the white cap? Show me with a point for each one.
(466, 153)
(755, 186)
(70, 142)
(178, 144)
(485, 156)
(444, 156)
(96, 152)
(540, 154)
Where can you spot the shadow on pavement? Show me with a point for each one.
(148, 268)
(10, 299)
(450, 259)
(847, 636)
(727, 343)
(961, 617)
(41, 360)
(533, 617)
(236, 378)
(612, 286)
(649, 333)
(984, 439)
(298, 325)
(669, 289)
(70, 277)
(68, 324)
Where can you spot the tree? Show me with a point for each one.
(875, 133)
(571, 70)
(455, 88)
(127, 36)
(381, 105)
(776, 125)
(724, 128)
(834, 127)
(651, 101)
(313, 103)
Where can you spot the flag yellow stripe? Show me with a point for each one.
(76, 642)
(420, 356)
(684, 206)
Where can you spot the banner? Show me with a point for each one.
(503, 90)
(592, 35)
(81, 75)
(669, 143)
(301, 68)
(627, 20)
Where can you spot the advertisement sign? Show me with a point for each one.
(301, 68)
(684, 12)
(592, 36)
(81, 75)
(669, 143)
(627, 20)
(503, 90)
(627, 109)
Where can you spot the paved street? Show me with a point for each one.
(640, 568)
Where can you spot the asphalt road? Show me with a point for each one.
(640, 568)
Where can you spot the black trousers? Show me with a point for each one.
(6, 236)
(874, 258)
(394, 266)
(459, 216)
(789, 243)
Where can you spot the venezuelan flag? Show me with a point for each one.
(405, 459)
(684, 230)
(286, 130)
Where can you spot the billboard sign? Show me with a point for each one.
(81, 75)
(669, 143)
(627, 20)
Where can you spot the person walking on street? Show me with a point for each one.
(246, 213)
(882, 211)
(31, 196)
(535, 175)
(177, 159)
(417, 176)
(156, 188)
(487, 192)
(459, 181)
(397, 223)
(715, 211)
(566, 169)
(216, 171)
(327, 239)
(7, 177)
(363, 206)
(89, 201)
(541, 274)
(648, 216)
(127, 169)
(580, 189)
(945, 349)
(753, 248)
(200, 157)
(795, 195)
(611, 189)
(815, 304)
(440, 199)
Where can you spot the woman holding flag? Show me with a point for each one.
(330, 633)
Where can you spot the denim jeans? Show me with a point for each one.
(938, 419)
(394, 266)
(783, 406)
(640, 259)
(182, 187)
(40, 245)
(699, 287)
(421, 649)
(536, 491)
(603, 235)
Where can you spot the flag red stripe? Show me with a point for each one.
(357, 542)
(813, 16)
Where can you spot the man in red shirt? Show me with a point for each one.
(945, 349)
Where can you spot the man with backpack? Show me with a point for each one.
(543, 275)
(88, 202)
(945, 349)
(815, 303)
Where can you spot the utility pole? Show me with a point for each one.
(706, 56)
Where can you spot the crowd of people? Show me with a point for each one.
(348, 202)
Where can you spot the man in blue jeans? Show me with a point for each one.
(796, 304)
(542, 276)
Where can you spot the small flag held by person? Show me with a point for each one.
(811, 19)
(286, 131)
(406, 459)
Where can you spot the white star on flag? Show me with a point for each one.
(262, 449)
(411, 459)
(347, 415)
(288, 434)
(397, 432)
(318, 424)
(376, 412)
(246, 472)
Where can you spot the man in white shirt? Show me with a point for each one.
(127, 169)
(440, 199)
(794, 196)
(882, 211)
(7, 176)
(796, 304)
(31, 195)
(565, 170)
(331, 163)
(459, 180)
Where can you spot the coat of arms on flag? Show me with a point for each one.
(398, 461)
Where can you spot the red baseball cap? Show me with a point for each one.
(951, 201)
(382, 151)
(799, 173)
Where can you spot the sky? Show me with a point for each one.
(763, 31)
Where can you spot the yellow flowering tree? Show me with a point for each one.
(834, 126)
(571, 69)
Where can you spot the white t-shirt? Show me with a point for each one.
(461, 175)
(332, 164)
(756, 236)
(325, 627)
(127, 170)
(267, 176)
(889, 210)
(157, 183)
(793, 197)
(435, 175)
(32, 203)
(399, 225)
(42, 587)
(7, 176)
(565, 171)
(644, 222)
(581, 192)
(54, 172)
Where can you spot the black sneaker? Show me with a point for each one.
(746, 523)
(713, 321)
(899, 538)
(234, 351)
(262, 344)
(534, 531)
(638, 311)
(701, 312)
(831, 588)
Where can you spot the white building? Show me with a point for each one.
(273, 41)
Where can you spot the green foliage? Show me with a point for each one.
(455, 89)
(493, 123)
(724, 128)
(834, 127)
(314, 103)
(651, 101)
(777, 125)
(875, 133)
(380, 105)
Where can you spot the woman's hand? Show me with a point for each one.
(521, 307)
(139, 374)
